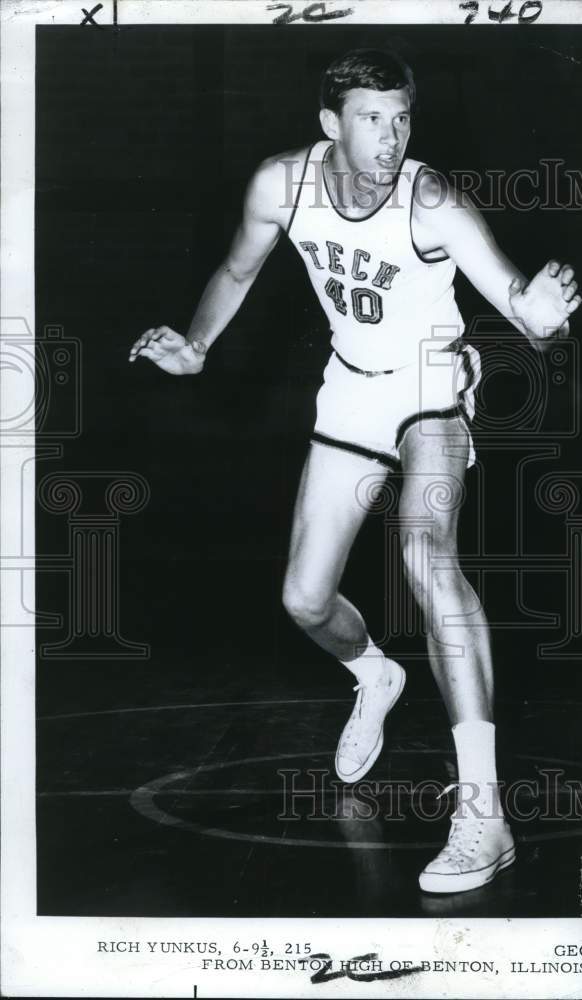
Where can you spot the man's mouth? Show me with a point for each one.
(386, 161)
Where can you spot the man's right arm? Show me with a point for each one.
(255, 238)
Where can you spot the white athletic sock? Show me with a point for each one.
(370, 666)
(475, 745)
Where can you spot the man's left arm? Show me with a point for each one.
(540, 308)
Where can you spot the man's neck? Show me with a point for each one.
(348, 197)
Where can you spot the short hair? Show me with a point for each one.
(373, 69)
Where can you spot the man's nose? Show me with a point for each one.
(389, 136)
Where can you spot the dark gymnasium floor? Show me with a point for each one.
(184, 808)
(165, 787)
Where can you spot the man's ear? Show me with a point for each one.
(329, 123)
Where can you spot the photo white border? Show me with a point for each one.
(50, 956)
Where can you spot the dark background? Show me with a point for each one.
(146, 138)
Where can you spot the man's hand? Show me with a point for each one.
(544, 305)
(170, 351)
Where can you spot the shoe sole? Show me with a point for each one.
(373, 757)
(464, 881)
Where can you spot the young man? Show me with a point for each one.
(381, 237)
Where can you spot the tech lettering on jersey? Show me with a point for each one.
(382, 298)
(366, 303)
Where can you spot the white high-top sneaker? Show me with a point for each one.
(477, 849)
(363, 736)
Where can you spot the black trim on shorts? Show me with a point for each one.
(419, 254)
(299, 190)
(467, 420)
(455, 346)
(362, 371)
(452, 411)
(357, 449)
(469, 373)
(390, 461)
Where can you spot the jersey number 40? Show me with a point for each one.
(366, 303)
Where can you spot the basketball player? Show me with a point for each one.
(381, 236)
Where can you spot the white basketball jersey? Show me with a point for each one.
(381, 297)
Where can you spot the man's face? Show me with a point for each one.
(373, 129)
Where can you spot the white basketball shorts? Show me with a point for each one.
(369, 413)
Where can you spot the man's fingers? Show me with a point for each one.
(515, 286)
(149, 352)
(159, 340)
(570, 290)
(146, 338)
(566, 274)
(143, 340)
(160, 333)
(136, 354)
(553, 268)
(154, 333)
(137, 346)
(573, 304)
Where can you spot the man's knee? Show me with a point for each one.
(428, 556)
(307, 608)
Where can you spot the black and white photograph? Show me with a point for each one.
(292, 510)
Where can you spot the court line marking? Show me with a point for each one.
(220, 765)
(291, 701)
(206, 704)
(142, 800)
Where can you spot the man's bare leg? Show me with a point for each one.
(326, 521)
(457, 631)
(328, 515)
(459, 651)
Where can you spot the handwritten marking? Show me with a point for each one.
(473, 7)
(502, 15)
(529, 11)
(89, 16)
(530, 18)
(308, 14)
(325, 976)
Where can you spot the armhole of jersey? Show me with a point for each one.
(419, 254)
(296, 203)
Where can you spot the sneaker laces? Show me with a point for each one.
(365, 705)
(371, 702)
(465, 834)
(348, 734)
